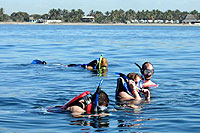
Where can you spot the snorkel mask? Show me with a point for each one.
(146, 73)
(102, 108)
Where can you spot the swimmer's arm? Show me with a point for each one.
(89, 68)
(125, 96)
(147, 94)
(79, 115)
(150, 84)
(134, 90)
(76, 109)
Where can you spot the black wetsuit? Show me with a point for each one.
(82, 105)
(120, 87)
(93, 63)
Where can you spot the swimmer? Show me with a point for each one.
(131, 89)
(86, 103)
(96, 64)
(147, 72)
(36, 61)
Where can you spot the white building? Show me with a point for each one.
(53, 21)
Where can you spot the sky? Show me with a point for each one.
(43, 6)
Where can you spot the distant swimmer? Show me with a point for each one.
(36, 61)
(100, 63)
(147, 72)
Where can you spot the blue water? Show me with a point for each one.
(27, 90)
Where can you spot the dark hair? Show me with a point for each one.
(144, 66)
(103, 99)
(133, 76)
(44, 62)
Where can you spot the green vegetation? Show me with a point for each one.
(114, 16)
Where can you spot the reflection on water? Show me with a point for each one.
(95, 122)
(129, 118)
(137, 123)
(100, 73)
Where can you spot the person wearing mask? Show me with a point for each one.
(147, 72)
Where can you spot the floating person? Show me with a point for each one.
(86, 103)
(147, 72)
(130, 90)
(36, 61)
(129, 87)
(100, 63)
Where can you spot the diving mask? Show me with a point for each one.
(102, 108)
(147, 71)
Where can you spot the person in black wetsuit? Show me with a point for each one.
(129, 90)
(100, 63)
(86, 104)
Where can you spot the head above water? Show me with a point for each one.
(135, 77)
(147, 70)
(36, 61)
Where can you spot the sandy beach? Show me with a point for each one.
(113, 24)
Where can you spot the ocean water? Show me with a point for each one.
(27, 90)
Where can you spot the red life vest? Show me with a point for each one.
(83, 95)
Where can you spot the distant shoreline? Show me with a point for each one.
(116, 24)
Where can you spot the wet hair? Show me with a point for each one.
(103, 99)
(104, 62)
(133, 76)
(44, 62)
(144, 66)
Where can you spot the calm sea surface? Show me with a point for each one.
(27, 90)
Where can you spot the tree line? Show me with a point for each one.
(113, 16)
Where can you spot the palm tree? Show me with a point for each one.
(20, 17)
(52, 14)
(1, 14)
(65, 14)
(92, 13)
(99, 17)
(195, 13)
(80, 14)
(107, 17)
(130, 15)
(45, 16)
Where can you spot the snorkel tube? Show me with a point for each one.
(100, 59)
(141, 71)
(143, 77)
(96, 95)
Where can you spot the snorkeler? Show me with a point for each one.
(130, 88)
(147, 72)
(100, 63)
(36, 61)
(98, 102)
(87, 103)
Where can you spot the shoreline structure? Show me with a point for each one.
(96, 24)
